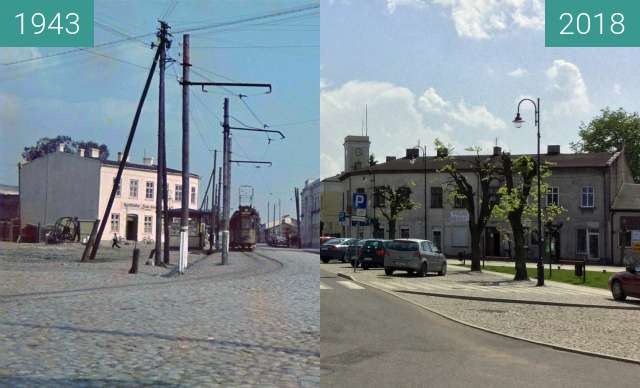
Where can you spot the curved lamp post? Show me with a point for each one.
(518, 121)
(412, 161)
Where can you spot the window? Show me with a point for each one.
(581, 244)
(404, 232)
(459, 202)
(149, 190)
(148, 222)
(117, 189)
(378, 198)
(553, 196)
(193, 195)
(459, 236)
(624, 239)
(587, 197)
(436, 197)
(133, 188)
(178, 196)
(115, 222)
(404, 192)
(437, 239)
(425, 247)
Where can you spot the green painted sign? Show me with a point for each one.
(46, 23)
(592, 23)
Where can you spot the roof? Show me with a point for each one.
(8, 189)
(628, 198)
(585, 160)
(137, 166)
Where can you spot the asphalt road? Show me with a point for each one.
(373, 339)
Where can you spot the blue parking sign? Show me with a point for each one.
(359, 200)
(341, 217)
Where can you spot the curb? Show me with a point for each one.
(446, 316)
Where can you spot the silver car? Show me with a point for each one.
(414, 256)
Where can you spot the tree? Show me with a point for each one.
(372, 160)
(395, 202)
(49, 145)
(519, 203)
(612, 131)
(488, 174)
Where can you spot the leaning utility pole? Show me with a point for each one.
(266, 229)
(218, 208)
(184, 219)
(125, 155)
(297, 194)
(162, 34)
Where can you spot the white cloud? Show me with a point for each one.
(392, 5)
(617, 89)
(517, 73)
(568, 88)
(477, 116)
(323, 83)
(482, 19)
(432, 102)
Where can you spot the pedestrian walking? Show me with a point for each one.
(115, 241)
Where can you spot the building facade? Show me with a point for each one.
(310, 214)
(595, 189)
(68, 185)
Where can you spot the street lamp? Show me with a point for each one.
(412, 161)
(518, 121)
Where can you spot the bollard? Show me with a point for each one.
(134, 261)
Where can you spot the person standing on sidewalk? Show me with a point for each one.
(115, 241)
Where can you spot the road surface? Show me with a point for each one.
(373, 339)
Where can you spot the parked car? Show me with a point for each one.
(414, 256)
(324, 239)
(353, 250)
(335, 249)
(627, 283)
(372, 253)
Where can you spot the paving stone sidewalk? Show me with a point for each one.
(611, 332)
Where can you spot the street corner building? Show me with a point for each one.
(596, 189)
(310, 214)
(62, 184)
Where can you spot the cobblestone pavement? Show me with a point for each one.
(600, 330)
(590, 267)
(64, 323)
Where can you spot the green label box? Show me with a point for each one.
(46, 23)
(592, 23)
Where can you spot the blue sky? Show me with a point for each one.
(90, 97)
(455, 69)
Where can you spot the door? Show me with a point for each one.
(492, 242)
(593, 238)
(132, 227)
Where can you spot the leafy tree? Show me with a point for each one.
(372, 160)
(395, 202)
(488, 173)
(48, 145)
(519, 203)
(612, 131)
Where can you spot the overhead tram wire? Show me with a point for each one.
(201, 28)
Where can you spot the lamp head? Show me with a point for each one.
(518, 121)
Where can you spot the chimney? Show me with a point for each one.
(95, 153)
(497, 151)
(81, 152)
(147, 161)
(61, 147)
(119, 156)
(553, 149)
(413, 153)
(390, 158)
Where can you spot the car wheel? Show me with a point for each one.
(388, 271)
(423, 270)
(443, 271)
(365, 266)
(343, 259)
(325, 260)
(617, 291)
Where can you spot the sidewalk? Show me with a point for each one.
(597, 268)
(570, 317)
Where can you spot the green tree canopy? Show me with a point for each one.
(48, 145)
(610, 131)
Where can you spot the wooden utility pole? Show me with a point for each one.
(184, 219)
(218, 194)
(266, 229)
(162, 34)
(297, 194)
(125, 156)
(226, 183)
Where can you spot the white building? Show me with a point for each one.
(67, 185)
(310, 214)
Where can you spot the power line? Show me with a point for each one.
(258, 47)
